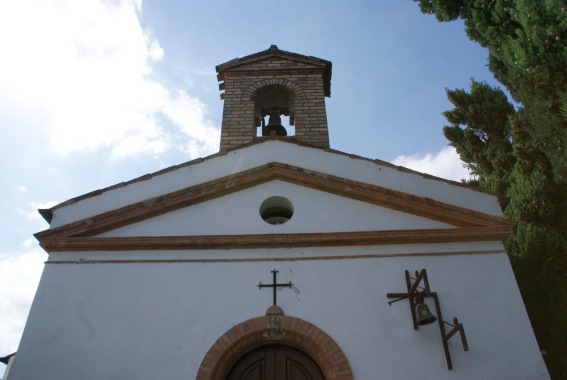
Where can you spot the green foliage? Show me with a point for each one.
(480, 132)
(526, 41)
(542, 279)
(442, 9)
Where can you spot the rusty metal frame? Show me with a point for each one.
(413, 284)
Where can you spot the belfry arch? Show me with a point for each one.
(274, 328)
(274, 98)
(283, 84)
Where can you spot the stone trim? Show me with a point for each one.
(274, 328)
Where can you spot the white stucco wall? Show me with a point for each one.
(100, 315)
(276, 151)
(157, 320)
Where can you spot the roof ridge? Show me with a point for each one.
(48, 213)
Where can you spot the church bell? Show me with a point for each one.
(274, 125)
(424, 316)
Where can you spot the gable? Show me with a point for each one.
(89, 233)
(238, 213)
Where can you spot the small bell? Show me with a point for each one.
(424, 316)
(274, 125)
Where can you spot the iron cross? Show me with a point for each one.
(275, 285)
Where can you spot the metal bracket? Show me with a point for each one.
(412, 291)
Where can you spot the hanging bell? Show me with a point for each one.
(274, 125)
(424, 316)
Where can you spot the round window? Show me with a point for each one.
(276, 210)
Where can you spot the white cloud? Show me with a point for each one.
(206, 72)
(31, 242)
(22, 188)
(19, 277)
(188, 114)
(445, 164)
(88, 65)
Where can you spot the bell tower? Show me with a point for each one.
(271, 84)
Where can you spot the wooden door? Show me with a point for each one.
(275, 363)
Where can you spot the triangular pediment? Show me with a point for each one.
(414, 219)
(274, 59)
(273, 54)
(307, 211)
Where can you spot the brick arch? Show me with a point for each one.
(285, 84)
(274, 328)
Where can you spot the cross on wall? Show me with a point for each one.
(274, 285)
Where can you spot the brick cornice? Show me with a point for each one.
(269, 54)
(324, 239)
(472, 224)
(239, 64)
(273, 71)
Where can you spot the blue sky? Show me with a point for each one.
(95, 92)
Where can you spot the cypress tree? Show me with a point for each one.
(526, 41)
(480, 132)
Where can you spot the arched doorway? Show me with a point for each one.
(274, 329)
(275, 362)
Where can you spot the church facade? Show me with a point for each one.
(278, 258)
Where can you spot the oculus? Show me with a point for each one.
(276, 210)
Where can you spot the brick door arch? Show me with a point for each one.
(274, 328)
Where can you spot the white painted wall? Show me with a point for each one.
(8, 368)
(257, 155)
(157, 320)
(150, 320)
